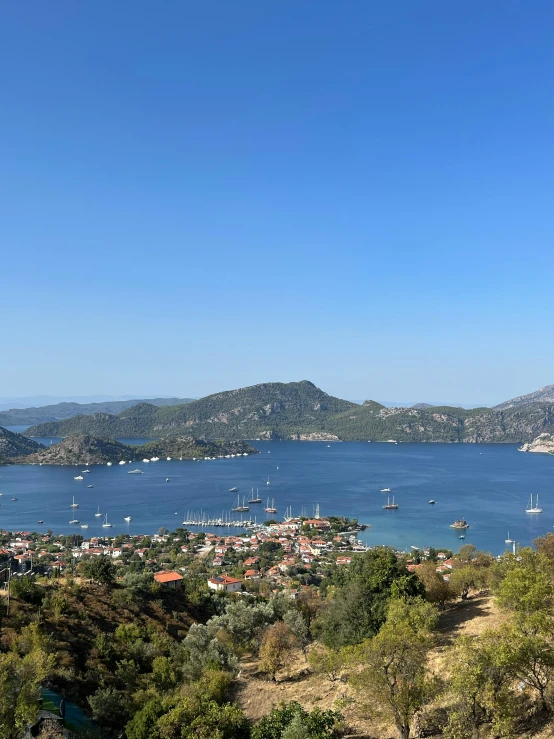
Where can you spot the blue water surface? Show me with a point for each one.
(488, 485)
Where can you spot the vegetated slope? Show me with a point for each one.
(61, 411)
(545, 396)
(86, 449)
(13, 445)
(374, 422)
(269, 409)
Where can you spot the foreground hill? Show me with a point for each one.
(14, 445)
(545, 395)
(61, 411)
(270, 409)
(85, 449)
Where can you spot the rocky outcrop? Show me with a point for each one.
(81, 449)
(544, 443)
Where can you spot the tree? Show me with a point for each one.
(20, 684)
(143, 723)
(296, 623)
(277, 644)
(437, 590)
(526, 586)
(529, 657)
(198, 718)
(110, 707)
(363, 592)
(326, 661)
(291, 721)
(100, 569)
(479, 688)
(393, 673)
(244, 622)
(201, 649)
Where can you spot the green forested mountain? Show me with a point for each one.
(61, 411)
(13, 445)
(298, 409)
(270, 408)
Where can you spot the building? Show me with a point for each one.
(225, 583)
(169, 579)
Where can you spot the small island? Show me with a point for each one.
(86, 449)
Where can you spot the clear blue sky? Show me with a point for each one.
(201, 196)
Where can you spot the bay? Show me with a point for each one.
(488, 485)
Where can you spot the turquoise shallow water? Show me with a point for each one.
(489, 485)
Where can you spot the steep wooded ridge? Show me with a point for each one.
(60, 411)
(14, 445)
(85, 449)
(300, 410)
(261, 410)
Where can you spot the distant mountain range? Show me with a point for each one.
(60, 411)
(300, 410)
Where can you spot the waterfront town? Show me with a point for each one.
(273, 557)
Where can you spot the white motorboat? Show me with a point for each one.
(84, 525)
(386, 490)
(79, 477)
(135, 472)
(109, 464)
(122, 462)
(74, 521)
(85, 472)
(127, 518)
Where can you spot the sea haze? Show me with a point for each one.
(489, 485)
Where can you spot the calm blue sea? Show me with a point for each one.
(489, 485)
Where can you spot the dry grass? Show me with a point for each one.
(257, 696)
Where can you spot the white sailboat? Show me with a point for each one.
(98, 514)
(268, 483)
(270, 508)
(106, 525)
(530, 508)
(74, 505)
(508, 540)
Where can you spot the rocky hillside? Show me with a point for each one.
(543, 443)
(14, 445)
(279, 408)
(374, 422)
(85, 449)
(61, 411)
(545, 396)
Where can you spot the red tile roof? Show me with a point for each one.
(167, 577)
